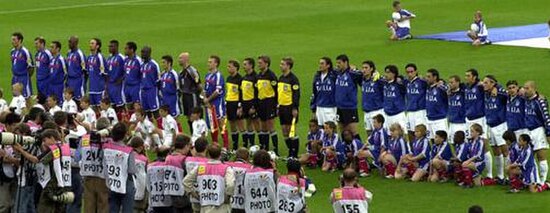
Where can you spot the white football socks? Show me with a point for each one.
(489, 164)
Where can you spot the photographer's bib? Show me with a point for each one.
(173, 175)
(211, 180)
(190, 164)
(116, 160)
(240, 168)
(155, 176)
(91, 164)
(140, 177)
(349, 199)
(259, 189)
(290, 195)
(61, 154)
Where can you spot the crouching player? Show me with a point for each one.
(460, 155)
(331, 148)
(416, 163)
(313, 145)
(441, 155)
(395, 148)
(352, 146)
(523, 172)
(376, 142)
(475, 163)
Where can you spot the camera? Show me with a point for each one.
(7, 138)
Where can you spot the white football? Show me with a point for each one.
(254, 149)
(273, 155)
(474, 27)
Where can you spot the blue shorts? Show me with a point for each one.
(529, 176)
(173, 103)
(149, 99)
(77, 84)
(480, 166)
(131, 93)
(42, 87)
(95, 98)
(115, 94)
(401, 32)
(24, 80)
(376, 156)
(482, 39)
(57, 90)
(220, 108)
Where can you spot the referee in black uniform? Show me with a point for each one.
(189, 87)
(249, 102)
(288, 97)
(267, 103)
(233, 99)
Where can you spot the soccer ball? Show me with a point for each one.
(474, 28)
(273, 155)
(254, 149)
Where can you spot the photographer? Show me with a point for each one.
(8, 164)
(350, 197)
(96, 193)
(26, 174)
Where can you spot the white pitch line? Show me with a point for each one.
(71, 7)
(176, 2)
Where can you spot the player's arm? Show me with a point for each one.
(274, 85)
(18, 148)
(30, 63)
(543, 107)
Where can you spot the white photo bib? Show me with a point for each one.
(140, 177)
(91, 164)
(211, 179)
(116, 160)
(259, 189)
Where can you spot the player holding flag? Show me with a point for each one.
(214, 93)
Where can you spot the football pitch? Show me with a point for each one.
(307, 30)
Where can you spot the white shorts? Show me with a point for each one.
(480, 121)
(520, 132)
(415, 118)
(367, 117)
(398, 118)
(495, 134)
(325, 114)
(453, 128)
(538, 137)
(437, 125)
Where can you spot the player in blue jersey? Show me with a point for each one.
(149, 94)
(478, 31)
(372, 90)
(515, 109)
(376, 143)
(132, 78)
(456, 110)
(394, 99)
(416, 163)
(57, 72)
(115, 70)
(437, 103)
(537, 120)
(400, 25)
(323, 102)
(475, 164)
(214, 92)
(495, 113)
(314, 137)
(76, 69)
(441, 155)
(42, 62)
(394, 149)
(21, 64)
(95, 65)
(169, 85)
(524, 171)
(415, 99)
(345, 93)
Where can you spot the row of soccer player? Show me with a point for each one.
(437, 160)
(449, 106)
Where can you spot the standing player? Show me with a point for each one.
(288, 94)
(495, 112)
(345, 93)
(267, 103)
(189, 79)
(322, 97)
(76, 69)
(149, 94)
(214, 96)
(249, 102)
(43, 58)
(22, 67)
(455, 114)
(57, 71)
(233, 99)
(394, 98)
(400, 25)
(132, 79)
(478, 31)
(372, 95)
(416, 99)
(537, 120)
(169, 85)
(436, 104)
(515, 109)
(95, 65)
(115, 70)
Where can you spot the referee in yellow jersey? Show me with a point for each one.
(288, 93)
(233, 99)
(267, 103)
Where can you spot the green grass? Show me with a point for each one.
(308, 30)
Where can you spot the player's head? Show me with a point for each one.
(489, 82)
(509, 136)
(349, 177)
(52, 101)
(146, 53)
(17, 89)
(412, 70)
(475, 209)
(286, 64)
(440, 136)
(118, 133)
(368, 68)
(166, 62)
(459, 137)
(182, 141)
(200, 145)
(325, 64)
(73, 42)
(213, 62)
(140, 114)
(39, 43)
(113, 46)
(478, 16)
(249, 64)
(391, 72)
(105, 103)
(329, 127)
(264, 62)
(16, 39)
(396, 131)
(214, 151)
(347, 136)
(262, 159)
(396, 5)
(85, 102)
(476, 130)
(342, 62)
(242, 154)
(420, 131)
(530, 88)
(164, 110)
(472, 76)
(432, 76)
(196, 113)
(512, 87)
(137, 144)
(378, 121)
(95, 45)
(313, 125)
(233, 67)
(454, 82)
(130, 48)
(183, 59)
(55, 47)
(524, 140)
